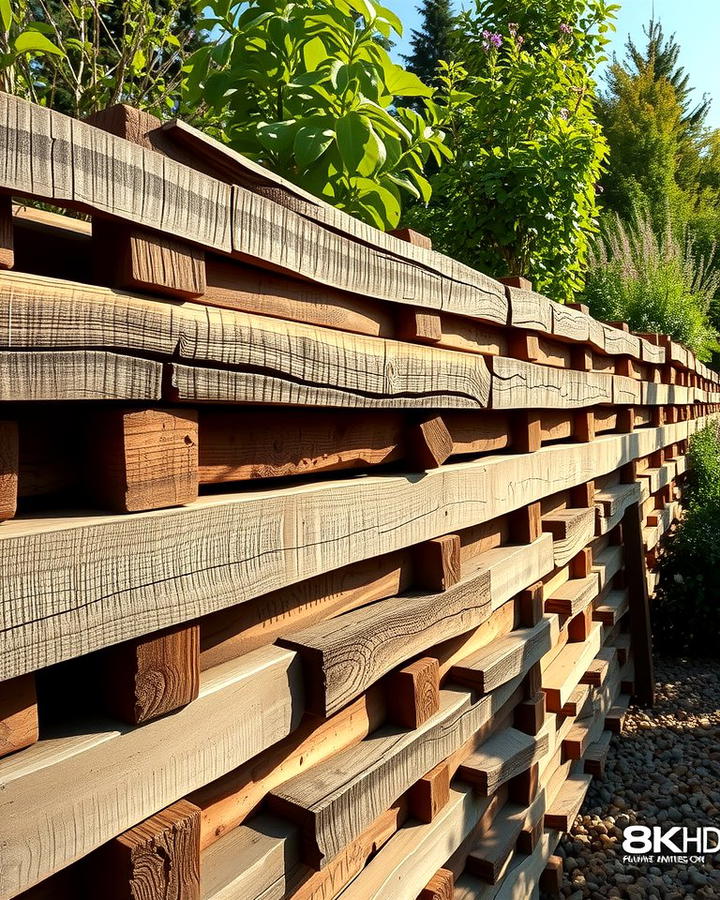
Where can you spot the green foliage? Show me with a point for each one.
(686, 609)
(23, 45)
(79, 56)
(654, 282)
(308, 90)
(662, 55)
(435, 40)
(519, 197)
(642, 121)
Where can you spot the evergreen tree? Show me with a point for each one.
(435, 40)
(663, 55)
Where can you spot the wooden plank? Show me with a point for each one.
(413, 693)
(9, 469)
(612, 608)
(153, 675)
(572, 597)
(529, 310)
(640, 628)
(158, 858)
(572, 529)
(239, 629)
(18, 714)
(344, 656)
(142, 459)
(522, 385)
(253, 860)
(262, 360)
(563, 674)
(58, 159)
(335, 804)
(293, 222)
(430, 793)
(120, 777)
(489, 859)
(339, 873)
(237, 445)
(405, 864)
(504, 659)
(440, 887)
(56, 584)
(501, 758)
(136, 259)
(429, 443)
(615, 719)
(552, 876)
(228, 801)
(436, 563)
(564, 809)
(596, 755)
(78, 375)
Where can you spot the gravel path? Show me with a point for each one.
(664, 770)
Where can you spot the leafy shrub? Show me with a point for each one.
(654, 282)
(519, 197)
(308, 90)
(687, 611)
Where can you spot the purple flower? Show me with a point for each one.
(566, 29)
(491, 40)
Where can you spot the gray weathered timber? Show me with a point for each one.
(77, 375)
(342, 657)
(85, 788)
(70, 585)
(259, 359)
(333, 803)
(53, 157)
(525, 385)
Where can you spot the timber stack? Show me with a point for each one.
(326, 560)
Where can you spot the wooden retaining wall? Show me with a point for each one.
(326, 560)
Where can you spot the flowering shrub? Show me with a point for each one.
(520, 196)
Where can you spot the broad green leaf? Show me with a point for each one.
(311, 141)
(401, 83)
(34, 42)
(314, 53)
(361, 150)
(277, 137)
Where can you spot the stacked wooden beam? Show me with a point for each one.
(326, 559)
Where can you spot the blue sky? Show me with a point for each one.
(695, 22)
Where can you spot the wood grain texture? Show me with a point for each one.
(159, 858)
(344, 656)
(413, 693)
(430, 793)
(504, 659)
(228, 801)
(253, 860)
(55, 158)
(429, 443)
(563, 674)
(410, 858)
(239, 629)
(152, 675)
(260, 360)
(237, 445)
(489, 859)
(573, 596)
(120, 777)
(571, 529)
(440, 887)
(335, 803)
(564, 809)
(18, 714)
(525, 385)
(140, 260)
(89, 587)
(502, 757)
(142, 459)
(9, 469)
(77, 375)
